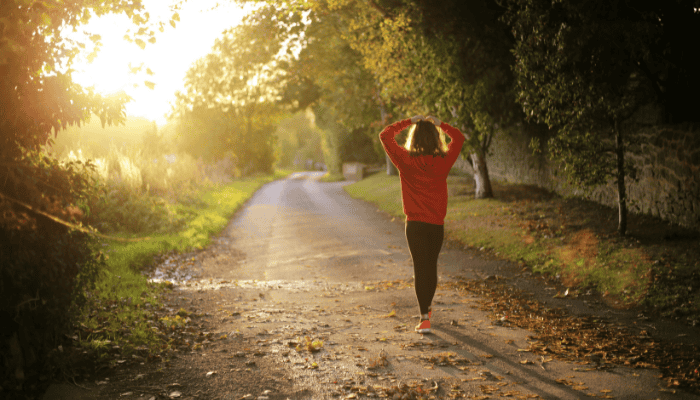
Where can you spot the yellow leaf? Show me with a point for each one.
(149, 84)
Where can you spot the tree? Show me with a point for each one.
(450, 58)
(298, 140)
(585, 70)
(43, 262)
(232, 97)
(345, 101)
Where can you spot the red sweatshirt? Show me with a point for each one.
(423, 178)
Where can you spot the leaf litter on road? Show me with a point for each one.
(585, 339)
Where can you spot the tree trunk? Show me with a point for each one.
(621, 190)
(390, 167)
(477, 159)
(481, 176)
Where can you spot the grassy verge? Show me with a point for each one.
(119, 318)
(329, 177)
(570, 240)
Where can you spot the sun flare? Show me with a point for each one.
(123, 66)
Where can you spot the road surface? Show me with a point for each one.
(304, 260)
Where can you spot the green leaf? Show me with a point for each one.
(46, 19)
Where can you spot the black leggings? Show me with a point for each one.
(424, 243)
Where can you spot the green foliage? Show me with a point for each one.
(579, 65)
(122, 209)
(345, 102)
(586, 69)
(358, 146)
(118, 313)
(232, 96)
(450, 58)
(298, 140)
(45, 265)
(583, 69)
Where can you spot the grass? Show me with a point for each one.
(119, 311)
(567, 239)
(331, 177)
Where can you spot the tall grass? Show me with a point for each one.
(170, 202)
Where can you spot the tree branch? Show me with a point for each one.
(378, 8)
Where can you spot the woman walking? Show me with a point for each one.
(423, 165)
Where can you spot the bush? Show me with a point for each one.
(45, 264)
(124, 209)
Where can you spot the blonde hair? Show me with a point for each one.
(426, 139)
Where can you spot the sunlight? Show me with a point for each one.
(163, 64)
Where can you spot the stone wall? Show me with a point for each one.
(667, 158)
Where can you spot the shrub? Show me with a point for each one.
(45, 265)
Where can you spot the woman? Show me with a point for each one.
(423, 166)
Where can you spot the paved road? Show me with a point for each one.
(322, 250)
(303, 259)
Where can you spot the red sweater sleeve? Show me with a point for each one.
(397, 154)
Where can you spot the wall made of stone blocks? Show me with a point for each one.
(667, 159)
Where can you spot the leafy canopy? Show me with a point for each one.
(233, 95)
(580, 70)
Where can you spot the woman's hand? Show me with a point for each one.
(416, 118)
(434, 120)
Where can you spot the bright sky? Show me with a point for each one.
(169, 58)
